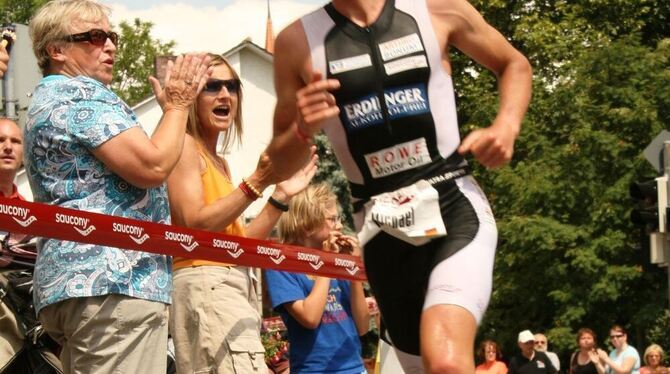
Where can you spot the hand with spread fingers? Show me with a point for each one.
(299, 181)
(184, 79)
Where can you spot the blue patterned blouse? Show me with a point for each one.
(67, 118)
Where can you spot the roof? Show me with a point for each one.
(247, 43)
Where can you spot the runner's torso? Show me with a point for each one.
(397, 120)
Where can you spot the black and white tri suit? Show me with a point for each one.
(398, 125)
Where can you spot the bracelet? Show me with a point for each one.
(278, 204)
(252, 192)
(301, 135)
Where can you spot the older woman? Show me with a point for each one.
(214, 321)
(623, 359)
(491, 355)
(107, 306)
(585, 360)
(653, 360)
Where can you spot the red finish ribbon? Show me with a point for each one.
(85, 227)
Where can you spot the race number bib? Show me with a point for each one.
(411, 214)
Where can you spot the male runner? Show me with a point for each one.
(388, 108)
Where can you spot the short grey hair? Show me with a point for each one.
(53, 21)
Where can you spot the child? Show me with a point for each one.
(324, 316)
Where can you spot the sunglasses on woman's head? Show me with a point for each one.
(215, 85)
(95, 36)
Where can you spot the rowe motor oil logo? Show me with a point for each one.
(274, 253)
(135, 233)
(233, 248)
(80, 224)
(18, 214)
(186, 241)
(400, 157)
(349, 265)
(313, 260)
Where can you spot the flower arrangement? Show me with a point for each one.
(276, 346)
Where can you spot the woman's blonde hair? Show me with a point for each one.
(193, 126)
(54, 20)
(306, 212)
(651, 349)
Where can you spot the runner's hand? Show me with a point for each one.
(316, 104)
(493, 146)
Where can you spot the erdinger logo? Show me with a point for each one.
(18, 214)
(400, 102)
(78, 223)
(135, 233)
(233, 248)
(398, 158)
(349, 265)
(313, 260)
(274, 253)
(186, 241)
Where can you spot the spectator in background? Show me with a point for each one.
(324, 317)
(11, 159)
(11, 152)
(541, 345)
(653, 360)
(530, 361)
(11, 155)
(490, 355)
(107, 306)
(623, 359)
(585, 360)
(214, 319)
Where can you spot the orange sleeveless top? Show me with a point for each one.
(215, 185)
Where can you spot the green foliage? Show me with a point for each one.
(568, 256)
(330, 172)
(658, 333)
(19, 11)
(135, 60)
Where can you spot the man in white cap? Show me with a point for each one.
(530, 361)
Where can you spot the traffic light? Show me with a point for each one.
(652, 197)
(652, 211)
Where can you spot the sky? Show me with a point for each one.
(210, 25)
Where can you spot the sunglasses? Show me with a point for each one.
(215, 85)
(94, 36)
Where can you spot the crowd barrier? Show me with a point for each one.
(86, 227)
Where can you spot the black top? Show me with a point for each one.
(589, 368)
(539, 364)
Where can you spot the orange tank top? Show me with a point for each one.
(215, 185)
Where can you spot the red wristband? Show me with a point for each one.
(249, 190)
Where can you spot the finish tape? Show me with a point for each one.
(86, 227)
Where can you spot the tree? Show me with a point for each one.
(19, 11)
(135, 60)
(330, 172)
(568, 256)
